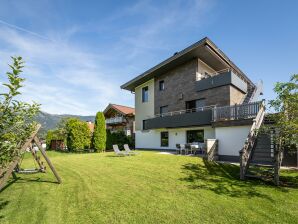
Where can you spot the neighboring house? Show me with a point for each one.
(90, 125)
(197, 95)
(120, 118)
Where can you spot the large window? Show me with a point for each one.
(161, 85)
(145, 94)
(195, 136)
(164, 139)
(195, 105)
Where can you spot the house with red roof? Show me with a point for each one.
(120, 118)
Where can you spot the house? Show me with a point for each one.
(197, 95)
(120, 118)
(90, 125)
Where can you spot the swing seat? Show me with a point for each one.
(29, 171)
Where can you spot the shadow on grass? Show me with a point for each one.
(288, 180)
(20, 180)
(223, 179)
(3, 204)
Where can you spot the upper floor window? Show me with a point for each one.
(145, 94)
(195, 105)
(163, 110)
(162, 85)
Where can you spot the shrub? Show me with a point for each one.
(78, 135)
(16, 117)
(118, 138)
(99, 136)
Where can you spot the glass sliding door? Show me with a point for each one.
(195, 136)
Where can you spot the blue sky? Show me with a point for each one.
(78, 53)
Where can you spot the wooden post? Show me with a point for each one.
(4, 179)
(36, 140)
(15, 162)
(242, 175)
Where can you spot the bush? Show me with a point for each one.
(99, 136)
(78, 135)
(54, 135)
(118, 138)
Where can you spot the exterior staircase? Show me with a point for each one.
(249, 94)
(260, 157)
(253, 92)
(261, 164)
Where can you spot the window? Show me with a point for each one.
(161, 85)
(163, 110)
(195, 136)
(145, 94)
(195, 105)
(164, 139)
(145, 125)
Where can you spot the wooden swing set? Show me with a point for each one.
(15, 166)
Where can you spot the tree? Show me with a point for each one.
(78, 134)
(99, 135)
(16, 117)
(286, 107)
(118, 138)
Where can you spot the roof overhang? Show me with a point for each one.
(204, 50)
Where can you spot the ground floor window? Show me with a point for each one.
(164, 139)
(195, 136)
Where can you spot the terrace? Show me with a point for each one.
(203, 116)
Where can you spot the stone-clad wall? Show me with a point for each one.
(182, 80)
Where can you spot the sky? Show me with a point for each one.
(78, 53)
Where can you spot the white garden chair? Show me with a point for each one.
(128, 150)
(118, 152)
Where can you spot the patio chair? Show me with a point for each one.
(188, 149)
(178, 148)
(118, 152)
(128, 150)
(194, 148)
(182, 148)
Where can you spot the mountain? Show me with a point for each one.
(50, 121)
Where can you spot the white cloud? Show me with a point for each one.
(67, 78)
(55, 67)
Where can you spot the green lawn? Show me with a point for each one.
(148, 188)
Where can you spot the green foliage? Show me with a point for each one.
(78, 134)
(118, 138)
(99, 135)
(54, 135)
(286, 107)
(16, 117)
(150, 188)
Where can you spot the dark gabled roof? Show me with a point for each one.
(204, 49)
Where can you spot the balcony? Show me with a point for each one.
(183, 118)
(221, 78)
(115, 120)
(236, 112)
